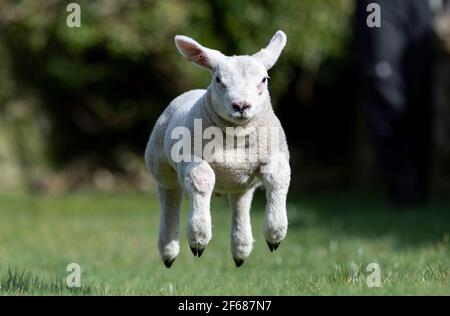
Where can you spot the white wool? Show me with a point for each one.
(238, 96)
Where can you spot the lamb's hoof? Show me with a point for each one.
(197, 252)
(168, 262)
(238, 262)
(273, 246)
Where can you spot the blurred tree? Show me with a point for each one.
(102, 86)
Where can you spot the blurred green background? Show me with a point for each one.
(77, 104)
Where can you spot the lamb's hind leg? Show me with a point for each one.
(168, 242)
(241, 230)
(276, 176)
(198, 179)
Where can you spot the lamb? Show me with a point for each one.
(237, 99)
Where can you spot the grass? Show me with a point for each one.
(331, 240)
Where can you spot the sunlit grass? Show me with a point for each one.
(331, 240)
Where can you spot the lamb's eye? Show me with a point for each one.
(264, 80)
(218, 80)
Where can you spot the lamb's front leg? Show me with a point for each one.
(198, 179)
(241, 230)
(276, 176)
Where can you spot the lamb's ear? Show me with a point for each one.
(196, 53)
(269, 55)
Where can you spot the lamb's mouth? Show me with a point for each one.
(240, 117)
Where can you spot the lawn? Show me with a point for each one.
(331, 240)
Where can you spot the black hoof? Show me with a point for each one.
(273, 246)
(238, 262)
(194, 251)
(200, 252)
(168, 262)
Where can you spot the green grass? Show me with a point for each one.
(331, 240)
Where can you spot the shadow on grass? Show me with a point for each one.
(369, 217)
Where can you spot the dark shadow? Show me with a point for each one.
(367, 216)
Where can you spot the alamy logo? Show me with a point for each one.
(74, 18)
(374, 18)
(374, 278)
(73, 280)
(235, 144)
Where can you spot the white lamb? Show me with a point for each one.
(237, 97)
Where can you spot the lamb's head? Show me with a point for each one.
(239, 87)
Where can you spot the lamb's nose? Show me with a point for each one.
(241, 106)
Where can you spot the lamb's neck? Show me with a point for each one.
(209, 115)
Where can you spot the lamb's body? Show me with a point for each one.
(229, 169)
(231, 177)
